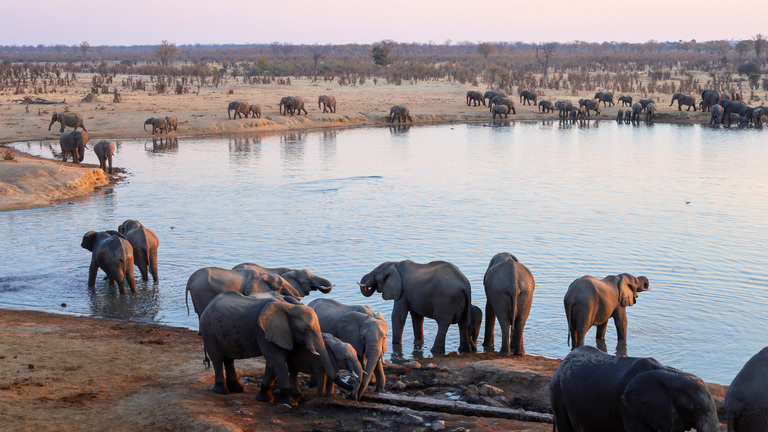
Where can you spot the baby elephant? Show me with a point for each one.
(172, 122)
(144, 243)
(104, 151)
(112, 253)
(500, 110)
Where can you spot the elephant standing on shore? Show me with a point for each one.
(509, 289)
(625, 100)
(716, 114)
(490, 94)
(709, 98)
(683, 99)
(592, 302)
(172, 122)
(159, 125)
(239, 107)
(620, 116)
(592, 391)
(475, 98)
(565, 107)
(104, 151)
(144, 243)
(254, 110)
(328, 103)
(528, 96)
(72, 120)
(292, 104)
(436, 290)
(73, 142)
(401, 112)
(637, 108)
(500, 110)
(112, 253)
(746, 401)
(590, 104)
(502, 100)
(644, 103)
(732, 107)
(650, 111)
(757, 116)
(605, 98)
(545, 106)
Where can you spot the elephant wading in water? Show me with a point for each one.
(302, 280)
(650, 111)
(328, 103)
(716, 114)
(475, 98)
(683, 99)
(620, 116)
(528, 96)
(72, 120)
(239, 107)
(509, 289)
(637, 108)
(746, 401)
(159, 125)
(73, 142)
(234, 327)
(364, 330)
(591, 302)
(104, 151)
(593, 391)
(112, 253)
(144, 243)
(436, 290)
(401, 112)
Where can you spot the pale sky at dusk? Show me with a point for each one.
(139, 22)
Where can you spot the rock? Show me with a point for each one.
(397, 385)
(489, 390)
(412, 364)
(438, 425)
(410, 419)
(90, 98)
(431, 366)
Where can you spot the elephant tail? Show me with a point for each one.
(186, 297)
(206, 360)
(568, 318)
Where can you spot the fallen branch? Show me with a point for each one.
(29, 100)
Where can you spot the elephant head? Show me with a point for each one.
(54, 119)
(629, 286)
(305, 281)
(271, 283)
(150, 121)
(384, 279)
(368, 336)
(91, 237)
(128, 225)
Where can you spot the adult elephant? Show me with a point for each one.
(490, 94)
(235, 326)
(637, 108)
(709, 98)
(112, 253)
(475, 98)
(502, 100)
(716, 114)
(650, 111)
(436, 290)
(683, 99)
(644, 102)
(732, 107)
(528, 96)
(144, 243)
(545, 106)
(104, 151)
(594, 391)
(625, 100)
(172, 123)
(565, 108)
(590, 105)
(620, 116)
(401, 112)
(509, 292)
(239, 107)
(73, 143)
(361, 328)
(72, 120)
(604, 97)
(158, 124)
(292, 104)
(302, 280)
(746, 401)
(328, 103)
(592, 302)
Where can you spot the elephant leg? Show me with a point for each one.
(465, 342)
(266, 385)
(620, 319)
(92, 270)
(438, 347)
(635, 425)
(517, 334)
(506, 326)
(562, 420)
(418, 326)
(600, 333)
(233, 385)
(218, 373)
(399, 313)
(490, 321)
(141, 262)
(153, 265)
(381, 379)
(119, 279)
(130, 278)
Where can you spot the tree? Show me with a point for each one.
(166, 52)
(759, 44)
(318, 53)
(744, 47)
(85, 47)
(544, 54)
(380, 52)
(719, 47)
(485, 49)
(263, 64)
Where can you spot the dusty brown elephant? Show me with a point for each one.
(328, 103)
(72, 120)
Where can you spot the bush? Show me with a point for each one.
(8, 155)
(749, 69)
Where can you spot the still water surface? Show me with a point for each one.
(683, 205)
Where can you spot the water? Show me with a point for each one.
(567, 201)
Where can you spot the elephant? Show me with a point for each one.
(528, 96)
(235, 326)
(683, 99)
(401, 112)
(502, 100)
(582, 113)
(637, 108)
(112, 253)
(620, 116)
(709, 98)
(746, 401)
(239, 107)
(590, 104)
(144, 243)
(436, 290)
(72, 120)
(730, 96)
(625, 100)
(500, 110)
(573, 114)
(73, 142)
(475, 98)
(591, 302)
(757, 116)
(172, 122)
(645, 102)
(605, 98)
(509, 289)
(650, 110)
(565, 108)
(732, 107)
(475, 324)
(328, 103)
(254, 110)
(594, 391)
(104, 151)
(545, 106)
(716, 114)
(490, 94)
(304, 281)
(159, 125)
(364, 330)
(292, 104)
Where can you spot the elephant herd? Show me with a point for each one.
(288, 105)
(72, 143)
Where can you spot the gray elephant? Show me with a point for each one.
(590, 104)
(235, 326)
(158, 124)
(746, 401)
(637, 108)
(716, 114)
(104, 151)
(500, 110)
(644, 102)
(592, 302)
(364, 330)
(490, 94)
(328, 103)
(144, 243)
(650, 111)
(73, 143)
(112, 253)
(475, 324)
(72, 120)
(757, 116)
(625, 100)
(239, 107)
(683, 99)
(582, 113)
(732, 107)
(292, 104)
(254, 110)
(502, 100)
(709, 98)
(509, 289)
(620, 116)
(528, 96)
(604, 97)
(594, 391)
(401, 112)
(302, 280)
(546, 106)
(565, 107)
(436, 290)
(475, 98)
(172, 122)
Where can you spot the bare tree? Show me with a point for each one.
(544, 54)
(318, 52)
(759, 44)
(166, 52)
(85, 47)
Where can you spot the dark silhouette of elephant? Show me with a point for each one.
(73, 143)
(604, 97)
(625, 100)
(475, 98)
(528, 96)
(239, 107)
(683, 99)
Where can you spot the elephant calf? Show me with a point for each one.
(500, 110)
(172, 122)
(144, 242)
(112, 253)
(104, 151)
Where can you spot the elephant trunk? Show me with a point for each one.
(145, 126)
(330, 369)
(52, 122)
(367, 291)
(372, 357)
(709, 423)
(229, 113)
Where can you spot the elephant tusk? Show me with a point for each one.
(314, 352)
(355, 375)
(361, 285)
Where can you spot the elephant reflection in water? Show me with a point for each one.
(292, 146)
(244, 144)
(143, 304)
(400, 128)
(163, 145)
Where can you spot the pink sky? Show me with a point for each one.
(139, 22)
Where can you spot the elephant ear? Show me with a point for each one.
(88, 239)
(349, 329)
(626, 296)
(275, 322)
(647, 399)
(388, 278)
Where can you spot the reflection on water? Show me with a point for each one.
(683, 205)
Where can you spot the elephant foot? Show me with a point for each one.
(219, 388)
(285, 398)
(504, 352)
(235, 387)
(520, 353)
(263, 396)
